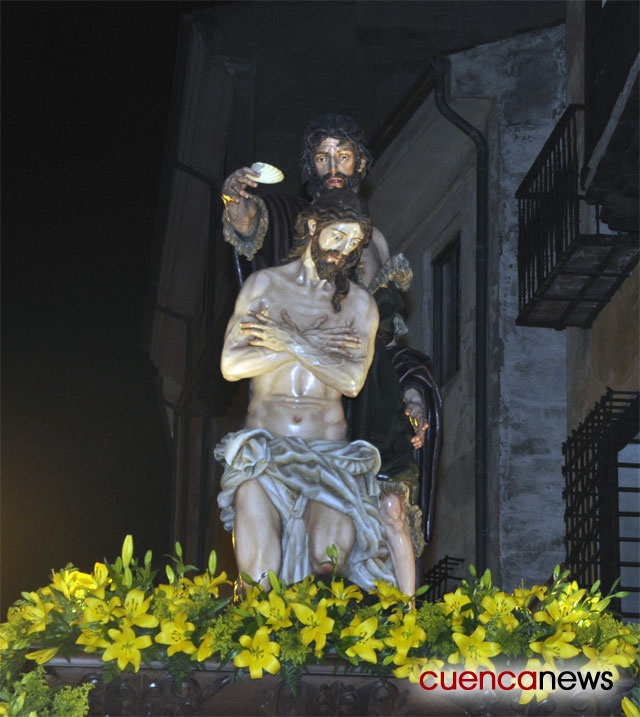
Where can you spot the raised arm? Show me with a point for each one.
(240, 209)
(246, 218)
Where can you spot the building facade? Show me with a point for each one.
(425, 200)
(498, 188)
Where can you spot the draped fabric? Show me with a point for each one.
(293, 472)
(414, 370)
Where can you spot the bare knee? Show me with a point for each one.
(392, 511)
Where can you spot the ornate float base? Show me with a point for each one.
(215, 691)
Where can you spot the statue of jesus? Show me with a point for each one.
(304, 334)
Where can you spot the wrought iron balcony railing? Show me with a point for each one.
(565, 277)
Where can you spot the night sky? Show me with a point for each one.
(86, 91)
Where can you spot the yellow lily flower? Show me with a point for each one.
(610, 658)
(556, 646)
(341, 595)
(630, 650)
(475, 650)
(101, 580)
(414, 667)
(211, 584)
(178, 596)
(73, 583)
(59, 583)
(250, 600)
(629, 708)
(526, 696)
(177, 634)
(499, 606)
(14, 614)
(36, 612)
(97, 610)
(135, 610)
(92, 640)
(259, 654)
(275, 610)
(302, 592)
(126, 647)
(406, 635)
(561, 612)
(316, 624)
(627, 636)
(42, 656)
(523, 596)
(205, 648)
(453, 604)
(388, 594)
(366, 646)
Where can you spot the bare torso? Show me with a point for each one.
(291, 400)
(306, 417)
(303, 397)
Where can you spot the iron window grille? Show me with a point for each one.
(602, 497)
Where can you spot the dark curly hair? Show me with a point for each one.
(338, 205)
(340, 127)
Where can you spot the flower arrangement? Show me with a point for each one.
(120, 613)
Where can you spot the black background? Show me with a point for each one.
(86, 90)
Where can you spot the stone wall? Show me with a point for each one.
(606, 355)
(525, 76)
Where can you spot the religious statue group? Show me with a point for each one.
(342, 434)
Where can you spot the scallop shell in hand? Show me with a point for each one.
(266, 173)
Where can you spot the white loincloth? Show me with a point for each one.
(292, 472)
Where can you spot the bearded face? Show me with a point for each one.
(321, 185)
(333, 231)
(336, 166)
(335, 247)
(341, 131)
(328, 263)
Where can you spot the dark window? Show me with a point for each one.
(446, 312)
